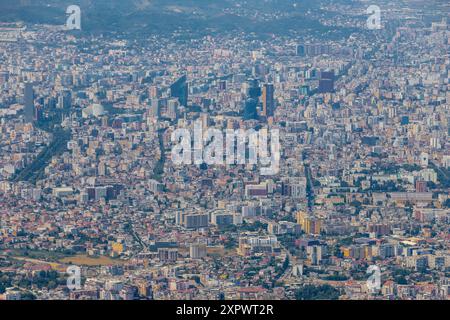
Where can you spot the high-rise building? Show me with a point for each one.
(309, 225)
(222, 85)
(172, 108)
(304, 90)
(155, 108)
(192, 220)
(251, 104)
(313, 49)
(153, 92)
(179, 89)
(326, 82)
(168, 254)
(197, 251)
(38, 113)
(29, 102)
(65, 100)
(268, 100)
(301, 50)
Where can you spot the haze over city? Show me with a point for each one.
(224, 150)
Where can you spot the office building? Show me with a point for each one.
(29, 102)
(180, 89)
(326, 82)
(268, 100)
(251, 104)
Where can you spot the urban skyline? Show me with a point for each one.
(224, 150)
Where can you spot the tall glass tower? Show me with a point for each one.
(251, 104)
(179, 89)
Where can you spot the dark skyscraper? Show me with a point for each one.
(253, 94)
(65, 100)
(29, 102)
(38, 113)
(268, 100)
(301, 50)
(222, 85)
(179, 89)
(326, 82)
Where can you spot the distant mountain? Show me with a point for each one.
(166, 16)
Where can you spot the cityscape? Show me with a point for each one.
(224, 150)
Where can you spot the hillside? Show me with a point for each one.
(165, 16)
